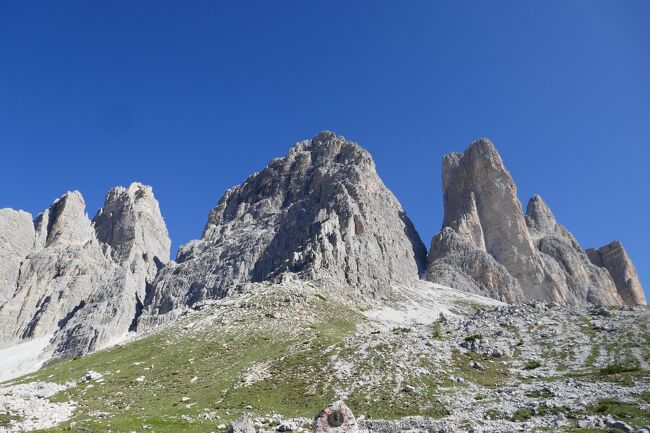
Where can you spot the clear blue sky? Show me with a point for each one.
(191, 97)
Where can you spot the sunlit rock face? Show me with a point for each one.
(321, 213)
(16, 241)
(488, 246)
(614, 258)
(78, 280)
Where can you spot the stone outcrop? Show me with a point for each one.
(335, 418)
(321, 213)
(614, 258)
(84, 281)
(488, 246)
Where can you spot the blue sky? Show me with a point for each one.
(191, 97)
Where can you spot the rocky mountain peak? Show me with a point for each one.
(505, 254)
(320, 213)
(65, 222)
(539, 217)
(131, 223)
(77, 281)
(481, 204)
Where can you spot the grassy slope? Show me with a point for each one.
(290, 343)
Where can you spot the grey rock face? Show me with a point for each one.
(58, 276)
(481, 205)
(131, 224)
(83, 281)
(64, 223)
(320, 213)
(487, 246)
(16, 241)
(614, 258)
(582, 281)
(134, 236)
(455, 262)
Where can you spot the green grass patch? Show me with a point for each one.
(619, 368)
(522, 415)
(532, 365)
(473, 337)
(628, 412)
(6, 419)
(495, 373)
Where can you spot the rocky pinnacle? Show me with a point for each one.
(488, 246)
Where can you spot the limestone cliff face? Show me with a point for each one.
(321, 213)
(16, 241)
(581, 280)
(489, 246)
(454, 261)
(80, 280)
(481, 205)
(58, 275)
(614, 258)
(133, 234)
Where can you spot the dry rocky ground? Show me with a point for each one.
(436, 360)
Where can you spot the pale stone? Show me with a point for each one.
(321, 213)
(487, 246)
(16, 241)
(614, 258)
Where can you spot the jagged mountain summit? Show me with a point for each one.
(321, 213)
(76, 280)
(488, 246)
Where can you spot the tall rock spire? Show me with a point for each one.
(481, 205)
(488, 246)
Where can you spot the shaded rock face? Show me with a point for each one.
(82, 280)
(614, 258)
(321, 213)
(488, 246)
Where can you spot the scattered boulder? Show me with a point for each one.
(91, 376)
(243, 424)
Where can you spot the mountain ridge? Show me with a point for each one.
(319, 214)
